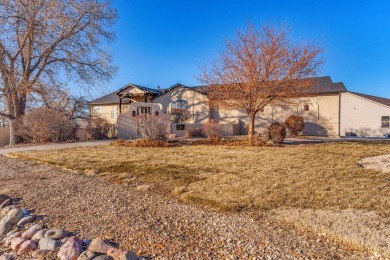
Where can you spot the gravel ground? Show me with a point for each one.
(152, 225)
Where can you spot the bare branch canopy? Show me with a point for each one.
(48, 42)
(260, 67)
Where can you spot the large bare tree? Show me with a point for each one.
(260, 67)
(49, 43)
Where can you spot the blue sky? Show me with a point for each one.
(160, 43)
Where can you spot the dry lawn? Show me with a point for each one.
(235, 178)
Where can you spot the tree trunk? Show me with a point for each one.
(16, 106)
(251, 126)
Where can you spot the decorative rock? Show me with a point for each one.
(5, 227)
(27, 247)
(99, 246)
(7, 209)
(10, 256)
(71, 249)
(5, 203)
(48, 244)
(8, 241)
(13, 216)
(4, 197)
(128, 256)
(103, 257)
(16, 243)
(39, 254)
(115, 252)
(25, 220)
(87, 255)
(29, 233)
(39, 235)
(56, 233)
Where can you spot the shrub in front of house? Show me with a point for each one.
(194, 132)
(294, 124)
(46, 125)
(153, 127)
(212, 129)
(98, 128)
(276, 133)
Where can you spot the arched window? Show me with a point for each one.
(179, 104)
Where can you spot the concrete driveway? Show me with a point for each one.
(53, 146)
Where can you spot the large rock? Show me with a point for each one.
(103, 257)
(87, 255)
(9, 256)
(115, 253)
(48, 244)
(99, 246)
(39, 254)
(71, 250)
(25, 220)
(56, 233)
(9, 238)
(13, 216)
(16, 243)
(5, 227)
(4, 197)
(5, 203)
(29, 233)
(128, 256)
(27, 247)
(7, 209)
(39, 235)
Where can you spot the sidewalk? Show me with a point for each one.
(53, 146)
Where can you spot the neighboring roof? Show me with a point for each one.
(197, 89)
(145, 89)
(108, 99)
(380, 100)
(324, 85)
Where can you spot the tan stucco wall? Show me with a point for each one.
(105, 112)
(197, 102)
(321, 119)
(362, 116)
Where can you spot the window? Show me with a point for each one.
(179, 104)
(96, 109)
(385, 121)
(306, 107)
(144, 110)
(114, 112)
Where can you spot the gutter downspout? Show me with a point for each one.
(339, 114)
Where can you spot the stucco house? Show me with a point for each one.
(331, 110)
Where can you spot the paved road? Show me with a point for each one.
(53, 146)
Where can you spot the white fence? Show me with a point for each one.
(82, 135)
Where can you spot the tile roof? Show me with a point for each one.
(380, 100)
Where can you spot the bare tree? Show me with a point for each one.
(48, 43)
(260, 68)
(179, 115)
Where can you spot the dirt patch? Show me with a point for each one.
(379, 163)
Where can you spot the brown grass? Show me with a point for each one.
(235, 178)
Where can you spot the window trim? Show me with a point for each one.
(385, 122)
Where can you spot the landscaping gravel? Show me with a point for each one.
(152, 225)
